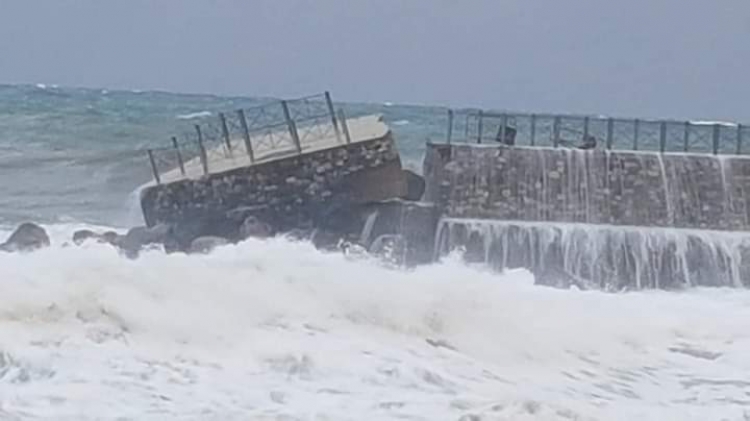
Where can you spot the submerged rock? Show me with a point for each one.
(326, 240)
(391, 248)
(139, 237)
(207, 244)
(182, 233)
(110, 237)
(146, 235)
(27, 237)
(81, 236)
(299, 234)
(254, 227)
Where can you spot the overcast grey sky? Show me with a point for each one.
(670, 58)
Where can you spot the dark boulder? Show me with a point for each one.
(254, 227)
(139, 237)
(110, 237)
(27, 237)
(415, 186)
(81, 236)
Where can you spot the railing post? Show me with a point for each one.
(345, 126)
(292, 127)
(716, 137)
(466, 127)
(246, 135)
(504, 122)
(556, 131)
(663, 136)
(331, 111)
(153, 166)
(636, 133)
(202, 149)
(450, 125)
(686, 137)
(610, 132)
(225, 132)
(585, 128)
(533, 129)
(480, 126)
(739, 139)
(179, 155)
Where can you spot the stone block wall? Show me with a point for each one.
(287, 193)
(589, 186)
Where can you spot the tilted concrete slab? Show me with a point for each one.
(276, 145)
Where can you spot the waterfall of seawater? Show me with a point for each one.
(603, 256)
(667, 197)
(364, 237)
(607, 219)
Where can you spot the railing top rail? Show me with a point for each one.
(275, 102)
(304, 98)
(475, 112)
(597, 131)
(264, 129)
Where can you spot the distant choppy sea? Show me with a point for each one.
(78, 154)
(276, 330)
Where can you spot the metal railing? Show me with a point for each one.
(587, 132)
(249, 135)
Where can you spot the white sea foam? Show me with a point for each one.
(191, 116)
(711, 123)
(277, 330)
(401, 122)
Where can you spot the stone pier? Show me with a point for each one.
(587, 215)
(286, 189)
(606, 218)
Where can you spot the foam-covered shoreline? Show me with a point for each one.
(269, 328)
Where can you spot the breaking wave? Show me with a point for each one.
(278, 330)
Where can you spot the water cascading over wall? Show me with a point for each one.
(611, 219)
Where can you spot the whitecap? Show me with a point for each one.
(191, 116)
(711, 123)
